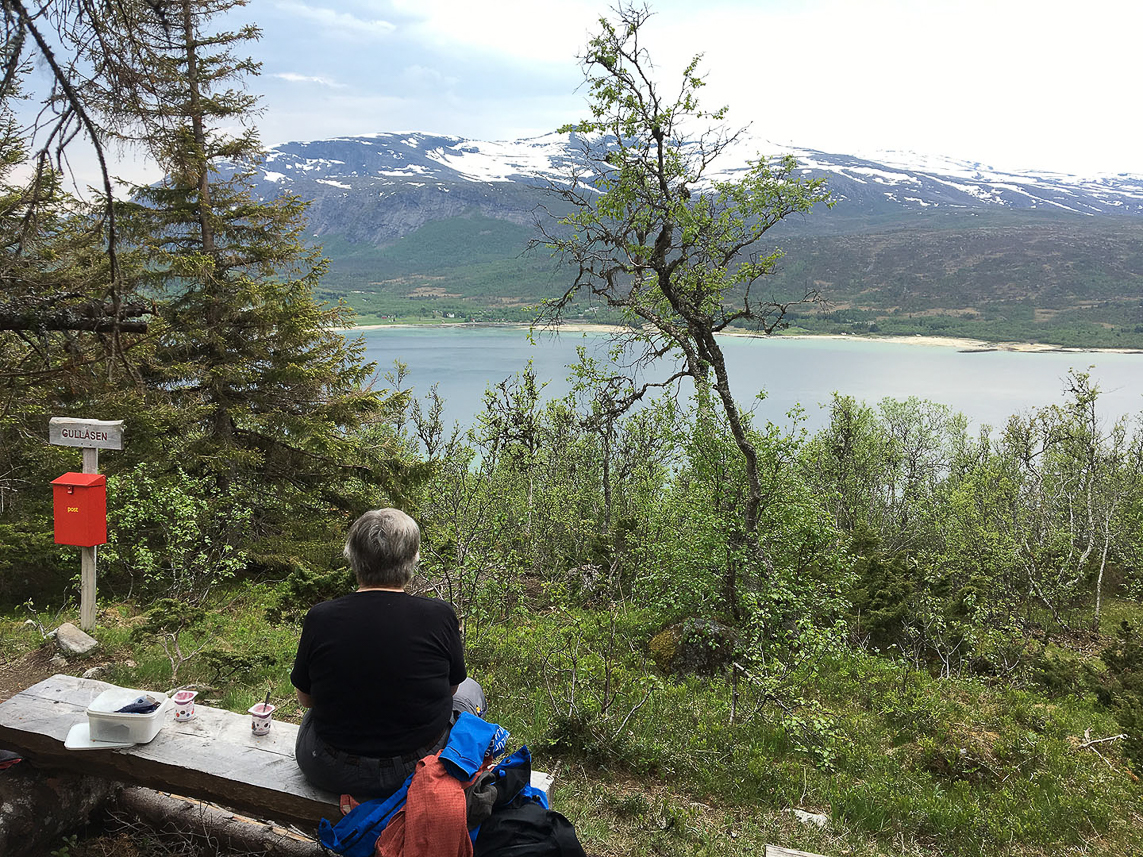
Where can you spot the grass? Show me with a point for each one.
(1118, 610)
(891, 755)
(900, 762)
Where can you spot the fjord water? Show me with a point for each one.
(986, 386)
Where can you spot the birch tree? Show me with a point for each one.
(654, 232)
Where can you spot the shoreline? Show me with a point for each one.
(959, 343)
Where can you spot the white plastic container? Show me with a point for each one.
(108, 725)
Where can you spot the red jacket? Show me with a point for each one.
(434, 820)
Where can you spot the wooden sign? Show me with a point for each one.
(92, 434)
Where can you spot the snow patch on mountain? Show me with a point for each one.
(394, 163)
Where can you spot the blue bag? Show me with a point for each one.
(356, 834)
(470, 740)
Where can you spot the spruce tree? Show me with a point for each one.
(271, 398)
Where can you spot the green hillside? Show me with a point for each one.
(473, 266)
(1006, 276)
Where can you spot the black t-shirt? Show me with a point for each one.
(380, 667)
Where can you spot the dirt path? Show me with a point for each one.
(20, 673)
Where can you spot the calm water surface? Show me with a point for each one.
(986, 386)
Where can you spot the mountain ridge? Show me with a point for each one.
(391, 163)
(431, 225)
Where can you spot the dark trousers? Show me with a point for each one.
(365, 777)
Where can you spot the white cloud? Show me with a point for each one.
(529, 30)
(343, 24)
(422, 76)
(1018, 83)
(292, 77)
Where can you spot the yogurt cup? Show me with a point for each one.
(261, 715)
(184, 705)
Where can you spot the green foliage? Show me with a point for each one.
(882, 594)
(304, 587)
(892, 752)
(168, 622)
(258, 420)
(67, 846)
(227, 666)
(580, 540)
(170, 533)
(657, 239)
(1122, 688)
(56, 289)
(971, 549)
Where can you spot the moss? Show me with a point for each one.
(664, 647)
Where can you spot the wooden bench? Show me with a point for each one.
(213, 757)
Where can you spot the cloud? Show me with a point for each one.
(524, 30)
(292, 77)
(424, 77)
(1021, 83)
(343, 24)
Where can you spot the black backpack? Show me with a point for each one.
(526, 829)
(521, 825)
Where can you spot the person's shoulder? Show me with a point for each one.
(324, 609)
(433, 606)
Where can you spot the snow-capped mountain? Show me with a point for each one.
(379, 187)
(915, 181)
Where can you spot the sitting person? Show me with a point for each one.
(381, 671)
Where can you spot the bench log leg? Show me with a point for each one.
(232, 832)
(37, 807)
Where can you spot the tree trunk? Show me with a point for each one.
(38, 807)
(227, 831)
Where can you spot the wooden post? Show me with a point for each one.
(87, 588)
(87, 557)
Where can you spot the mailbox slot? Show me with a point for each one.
(80, 505)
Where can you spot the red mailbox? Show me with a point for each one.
(80, 501)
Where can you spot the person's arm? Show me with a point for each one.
(457, 672)
(299, 675)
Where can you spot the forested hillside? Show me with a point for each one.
(999, 277)
(926, 638)
(423, 226)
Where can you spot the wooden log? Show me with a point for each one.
(779, 851)
(227, 831)
(213, 757)
(36, 808)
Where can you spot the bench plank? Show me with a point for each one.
(213, 757)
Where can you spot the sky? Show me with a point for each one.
(1012, 84)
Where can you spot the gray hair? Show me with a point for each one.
(383, 548)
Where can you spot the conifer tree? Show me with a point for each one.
(242, 381)
(269, 392)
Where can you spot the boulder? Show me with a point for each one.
(696, 646)
(72, 641)
(36, 807)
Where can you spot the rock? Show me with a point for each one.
(588, 584)
(816, 819)
(73, 641)
(37, 808)
(59, 662)
(95, 672)
(699, 646)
